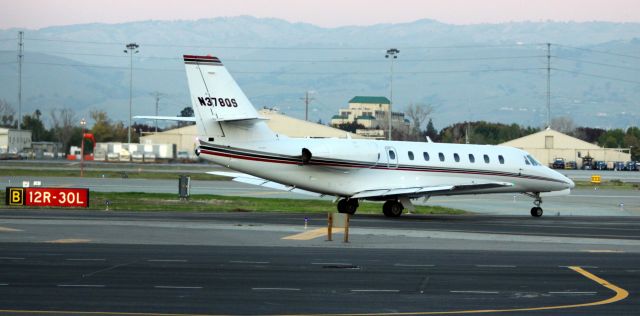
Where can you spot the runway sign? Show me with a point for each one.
(56, 197)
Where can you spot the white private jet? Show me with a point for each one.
(233, 134)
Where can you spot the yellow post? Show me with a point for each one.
(595, 179)
(346, 229)
(329, 226)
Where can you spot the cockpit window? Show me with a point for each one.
(533, 161)
(526, 161)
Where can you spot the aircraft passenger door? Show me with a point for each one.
(392, 157)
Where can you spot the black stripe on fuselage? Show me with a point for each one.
(276, 158)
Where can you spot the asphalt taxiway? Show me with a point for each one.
(63, 262)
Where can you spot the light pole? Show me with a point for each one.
(392, 54)
(83, 123)
(132, 48)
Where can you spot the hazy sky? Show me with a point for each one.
(328, 13)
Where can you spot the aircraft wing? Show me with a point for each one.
(415, 192)
(249, 179)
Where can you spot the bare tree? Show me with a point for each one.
(418, 114)
(563, 124)
(7, 114)
(64, 120)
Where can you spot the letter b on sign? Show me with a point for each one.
(15, 196)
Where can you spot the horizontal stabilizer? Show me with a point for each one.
(249, 179)
(167, 118)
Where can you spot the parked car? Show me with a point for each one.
(599, 165)
(618, 166)
(571, 165)
(558, 163)
(631, 166)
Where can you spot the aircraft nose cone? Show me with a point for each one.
(571, 183)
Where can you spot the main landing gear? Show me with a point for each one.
(348, 206)
(536, 211)
(392, 208)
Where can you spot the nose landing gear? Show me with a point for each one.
(536, 211)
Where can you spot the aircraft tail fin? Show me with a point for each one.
(221, 108)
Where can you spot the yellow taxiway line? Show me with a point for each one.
(68, 241)
(313, 234)
(9, 230)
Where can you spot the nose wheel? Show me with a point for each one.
(536, 211)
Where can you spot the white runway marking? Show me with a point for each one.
(11, 258)
(177, 287)
(414, 265)
(332, 263)
(274, 289)
(4, 284)
(167, 260)
(250, 262)
(575, 293)
(80, 285)
(84, 259)
(476, 292)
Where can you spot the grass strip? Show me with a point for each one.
(136, 201)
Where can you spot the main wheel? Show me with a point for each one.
(342, 206)
(348, 206)
(351, 206)
(392, 208)
(536, 211)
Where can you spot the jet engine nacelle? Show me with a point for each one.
(352, 151)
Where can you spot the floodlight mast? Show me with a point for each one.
(392, 54)
(131, 48)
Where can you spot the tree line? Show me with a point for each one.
(65, 126)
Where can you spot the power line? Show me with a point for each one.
(596, 76)
(299, 73)
(598, 63)
(311, 60)
(283, 47)
(598, 51)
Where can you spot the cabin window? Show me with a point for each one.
(441, 156)
(501, 159)
(472, 159)
(392, 155)
(411, 155)
(486, 158)
(456, 157)
(526, 161)
(426, 156)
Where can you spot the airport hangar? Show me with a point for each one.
(184, 137)
(550, 144)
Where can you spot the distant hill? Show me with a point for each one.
(493, 72)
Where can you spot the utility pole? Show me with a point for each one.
(548, 85)
(307, 100)
(132, 48)
(392, 55)
(157, 96)
(20, 56)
